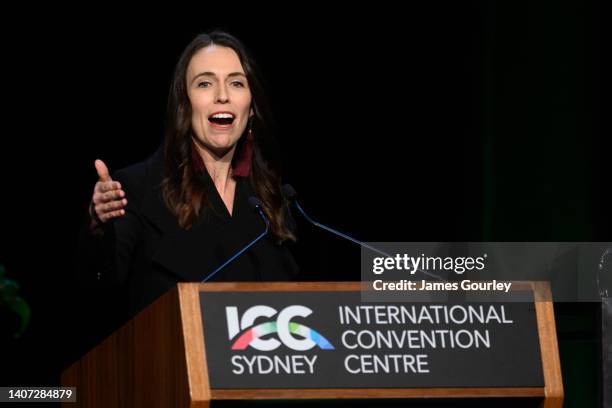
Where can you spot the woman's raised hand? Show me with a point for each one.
(108, 200)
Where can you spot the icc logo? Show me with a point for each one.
(282, 325)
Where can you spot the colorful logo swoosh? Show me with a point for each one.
(266, 328)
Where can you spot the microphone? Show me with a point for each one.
(256, 205)
(291, 195)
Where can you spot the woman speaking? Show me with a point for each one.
(183, 212)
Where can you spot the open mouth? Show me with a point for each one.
(222, 118)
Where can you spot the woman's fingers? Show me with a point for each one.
(108, 197)
(100, 198)
(113, 214)
(110, 207)
(112, 195)
(106, 186)
(102, 171)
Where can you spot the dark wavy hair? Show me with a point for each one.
(182, 192)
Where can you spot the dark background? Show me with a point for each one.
(439, 121)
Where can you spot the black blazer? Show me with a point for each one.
(147, 250)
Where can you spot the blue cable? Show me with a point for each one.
(237, 254)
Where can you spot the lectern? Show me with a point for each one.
(270, 341)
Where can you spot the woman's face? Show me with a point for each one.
(220, 98)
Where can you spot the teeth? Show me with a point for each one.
(222, 115)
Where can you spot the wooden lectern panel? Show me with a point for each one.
(158, 359)
(548, 346)
(146, 362)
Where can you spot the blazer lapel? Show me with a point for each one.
(193, 254)
(153, 207)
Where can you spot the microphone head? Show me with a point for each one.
(289, 192)
(254, 203)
